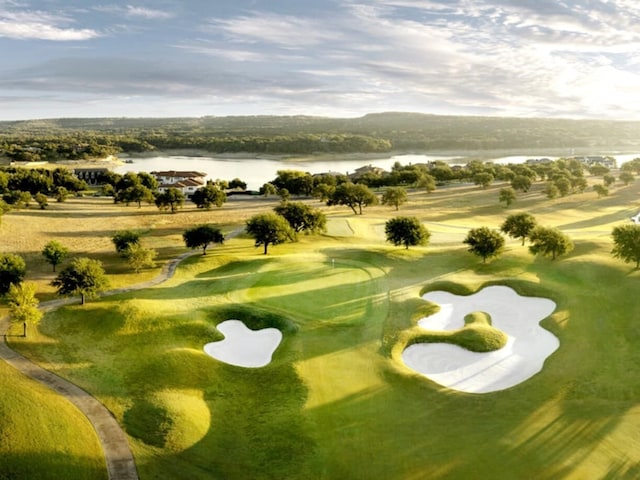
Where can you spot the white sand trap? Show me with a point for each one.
(523, 356)
(244, 347)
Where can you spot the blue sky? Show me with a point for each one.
(533, 58)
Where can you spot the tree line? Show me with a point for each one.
(59, 139)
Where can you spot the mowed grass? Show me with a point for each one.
(337, 402)
(42, 435)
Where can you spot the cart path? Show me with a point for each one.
(118, 456)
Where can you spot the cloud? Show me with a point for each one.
(39, 25)
(147, 13)
(508, 57)
(132, 11)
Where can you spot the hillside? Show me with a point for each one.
(378, 132)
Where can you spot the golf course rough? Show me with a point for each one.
(527, 346)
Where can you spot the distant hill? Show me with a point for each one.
(373, 132)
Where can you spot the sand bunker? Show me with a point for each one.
(522, 357)
(244, 347)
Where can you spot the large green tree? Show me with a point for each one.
(269, 229)
(12, 271)
(406, 231)
(354, 195)
(302, 217)
(484, 242)
(54, 252)
(626, 243)
(549, 241)
(201, 236)
(209, 195)
(83, 276)
(518, 225)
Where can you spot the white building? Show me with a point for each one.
(185, 181)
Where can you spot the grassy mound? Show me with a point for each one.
(477, 335)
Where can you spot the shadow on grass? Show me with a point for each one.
(49, 466)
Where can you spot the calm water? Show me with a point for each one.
(257, 171)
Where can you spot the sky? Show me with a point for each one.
(176, 58)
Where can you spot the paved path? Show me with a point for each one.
(119, 458)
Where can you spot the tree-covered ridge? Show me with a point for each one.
(382, 132)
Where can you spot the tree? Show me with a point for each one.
(427, 182)
(124, 239)
(483, 179)
(353, 195)
(171, 200)
(136, 193)
(579, 183)
(295, 181)
(23, 304)
(54, 252)
(518, 225)
(268, 189)
(551, 191)
(302, 218)
(61, 194)
(83, 276)
(201, 236)
(236, 183)
(507, 195)
(209, 195)
(563, 184)
(608, 180)
(601, 190)
(140, 257)
(484, 242)
(626, 241)
(549, 242)
(394, 196)
(598, 170)
(626, 178)
(521, 182)
(148, 180)
(284, 194)
(323, 191)
(269, 229)
(12, 270)
(406, 231)
(41, 200)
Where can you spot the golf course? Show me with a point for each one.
(335, 400)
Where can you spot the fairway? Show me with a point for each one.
(337, 401)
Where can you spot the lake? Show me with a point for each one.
(257, 171)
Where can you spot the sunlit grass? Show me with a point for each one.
(43, 435)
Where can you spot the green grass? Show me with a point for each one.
(43, 436)
(337, 401)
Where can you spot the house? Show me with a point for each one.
(366, 170)
(185, 181)
(591, 160)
